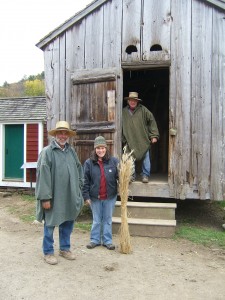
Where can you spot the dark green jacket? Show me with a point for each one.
(138, 129)
(60, 180)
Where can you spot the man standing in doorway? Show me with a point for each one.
(139, 131)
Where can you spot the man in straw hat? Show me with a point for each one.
(139, 131)
(58, 191)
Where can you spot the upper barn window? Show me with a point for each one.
(130, 49)
(156, 47)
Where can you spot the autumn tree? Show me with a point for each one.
(34, 87)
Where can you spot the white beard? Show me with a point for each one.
(60, 142)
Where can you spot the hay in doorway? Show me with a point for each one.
(126, 170)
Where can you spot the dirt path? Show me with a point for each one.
(157, 269)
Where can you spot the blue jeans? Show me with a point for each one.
(65, 230)
(102, 211)
(146, 165)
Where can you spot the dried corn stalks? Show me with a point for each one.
(126, 170)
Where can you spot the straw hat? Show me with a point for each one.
(62, 125)
(100, 142)
(133, 95)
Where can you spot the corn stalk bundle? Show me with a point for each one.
(126, 170)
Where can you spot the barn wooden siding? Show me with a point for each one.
(79, 48)
(93, 112)
(197, 90)
(191, 35)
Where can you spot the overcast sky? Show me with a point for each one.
(23, 23)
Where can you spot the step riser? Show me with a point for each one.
(156, 231)
(147, 219)
(147, 213)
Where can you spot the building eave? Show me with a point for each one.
(71, 21)
(89, 9)
(218, 3)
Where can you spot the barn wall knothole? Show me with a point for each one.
(156, 47)
(130, 49)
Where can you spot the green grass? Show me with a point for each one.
(30, 214)
(83, 226)
(27, 212)
(29, 198)
(203, 236)
(28, 218)
(221, 204)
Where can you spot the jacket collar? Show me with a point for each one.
(54, 145)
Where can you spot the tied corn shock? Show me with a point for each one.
(126, 170)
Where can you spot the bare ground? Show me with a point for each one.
(157, 268)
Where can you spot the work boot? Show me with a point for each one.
(67, 254)
(145, 179)
(92, 245)
(50, 259)
(109, 246)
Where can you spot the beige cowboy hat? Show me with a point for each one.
(62, 125)
(133, 95)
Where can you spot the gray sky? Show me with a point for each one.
(22, 24)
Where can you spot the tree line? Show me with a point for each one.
(33, 85)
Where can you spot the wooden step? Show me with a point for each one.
(150, 189)
(146, 227)
(147, 210)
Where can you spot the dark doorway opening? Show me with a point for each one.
(152, 86)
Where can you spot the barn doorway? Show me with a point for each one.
(152, 86)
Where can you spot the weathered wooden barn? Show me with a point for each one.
(171, 52)
(23, 133)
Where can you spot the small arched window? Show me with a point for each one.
(130, 49)
(156, 47)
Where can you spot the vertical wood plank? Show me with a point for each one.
(201, 96)
(131, 35)
(49, 73)
(62, 77)
(112, 34)
(180, 97)
(77, 45)
(111, 105)
(218, 108)
(52, 83)
(94, 39)
(156, 26)
(118, 119)
(75, 50)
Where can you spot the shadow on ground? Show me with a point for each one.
(200, 213)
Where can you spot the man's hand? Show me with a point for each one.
(46, 204)
(154, 140)
(87, 202)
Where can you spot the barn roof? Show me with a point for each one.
(89, 9)
(22, 109)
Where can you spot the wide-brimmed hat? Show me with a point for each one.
(100, 142)
(62, 125)
(133, 95)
